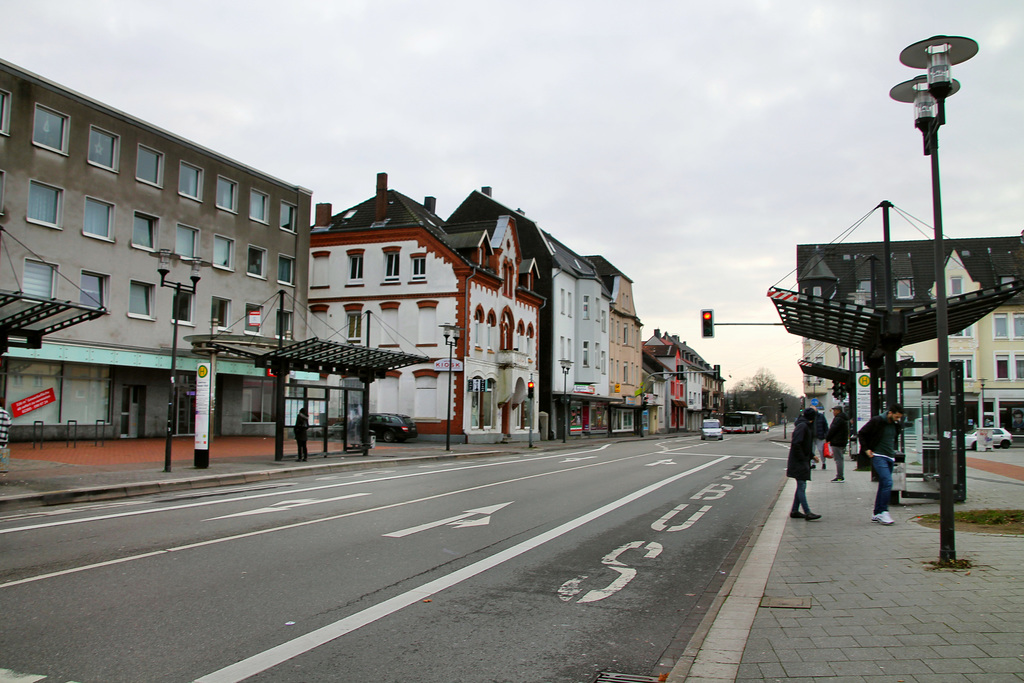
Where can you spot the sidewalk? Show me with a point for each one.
(845, 599)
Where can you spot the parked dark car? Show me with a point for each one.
(391, 427)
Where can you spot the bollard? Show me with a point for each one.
(37, 434)
(101, 437)
(67, 434)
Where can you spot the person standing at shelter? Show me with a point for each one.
(820, 428)
(879, 440)
(798, 466)
(301, 430)
(838, 437)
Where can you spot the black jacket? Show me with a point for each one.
(301, 427)
(801, 450)
(871, 433)
(839, 431)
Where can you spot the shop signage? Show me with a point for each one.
(33, 402)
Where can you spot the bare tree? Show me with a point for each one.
(763, 392)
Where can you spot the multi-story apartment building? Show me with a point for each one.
(695, 389)
(625, 344)
(392, 262)
(992, 349)
(89, 195)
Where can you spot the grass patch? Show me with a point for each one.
(955, 565)
(984, 521)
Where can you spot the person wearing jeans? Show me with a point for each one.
(879, 440)
(837, 438)
(798, 466)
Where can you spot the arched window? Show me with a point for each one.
(478, 327)
(492, 324)
(507, 329)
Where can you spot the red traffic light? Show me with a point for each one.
(707, 323)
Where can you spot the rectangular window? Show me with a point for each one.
(864, 286)
(586, 307)
(99, 218)
(190, 181)
(569, 303)
(355, 268)
(253, 318)
(586, 354)
(2, 178)
(258, 206)
(50, 129)
(144, 231)
(562, 300)
(185, 241)
(289, 217)
(140, 299)
(1018, 325)
(38, 279)
(284, 324)
(1003, 367)
(968, 362)
(966, 332)
(1019, 360)
(223, 252)
(391, 265)
(956, 286)
(5, 112)
(45, 204)
(149, 166)
(227, 194)
(220, 313)
(1000, 330)
(183, 307)
(94, 289)
(904, 289)
(103, 149)
(419, 267)
(354, 328)
(256, 261)
(286, 270)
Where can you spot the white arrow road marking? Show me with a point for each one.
(626, 574)
(661, 524)
(586, 457)
(288, 505)
(660, 462)
(571, 588)
(456, 521)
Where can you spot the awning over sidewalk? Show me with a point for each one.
(315, 355)
(26, 319)
(826, 372)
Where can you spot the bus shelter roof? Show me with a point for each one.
(26, 319)
(316, 355)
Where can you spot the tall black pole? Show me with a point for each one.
(892, 322)
(451, 372)
(174, 369)
(565, 404)
(947, 469)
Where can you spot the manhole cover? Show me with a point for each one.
(608, 677)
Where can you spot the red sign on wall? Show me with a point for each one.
(34, 402)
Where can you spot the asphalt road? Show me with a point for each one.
(525, 568)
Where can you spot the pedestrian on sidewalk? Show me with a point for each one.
(879, 440)
(301, 430)
(838, 437)
(798, 466)
(820, 430)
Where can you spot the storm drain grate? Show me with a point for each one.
(608, 677)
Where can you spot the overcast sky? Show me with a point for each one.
(693, 144)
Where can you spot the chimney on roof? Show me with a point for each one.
(486, 189)
(430, 203)
(657, 333)
(381, 210)
(323, 215)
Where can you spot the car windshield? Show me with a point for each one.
(711, 424)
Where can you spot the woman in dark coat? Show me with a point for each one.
(801, 453)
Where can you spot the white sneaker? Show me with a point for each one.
(874, 518)
(883, 517)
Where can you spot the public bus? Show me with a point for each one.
(742, 422)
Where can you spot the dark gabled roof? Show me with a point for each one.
(401, 212)
(569, 261)
(481, 207)
(987, 260)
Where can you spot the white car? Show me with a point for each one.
(1000, 438)
(711, 429)
(764, 427)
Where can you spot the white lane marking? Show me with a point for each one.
(662, 524)
(588, 457)
(183, 506)
(457, 521)
(8, 676)
(626, 574)
(296, 525)
(276, 655)
(284, 505)
(660, 462)
(571, 588)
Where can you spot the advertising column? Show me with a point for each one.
(202, 445)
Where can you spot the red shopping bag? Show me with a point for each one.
(826, 450)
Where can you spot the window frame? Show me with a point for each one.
(5, 112)
(150, 289)
(180, 229)
(154, 226)
(108, 236)
(52, 293)
(1005, 319)
(292, 225)
(3, 183)
(104, 288)
(64, 133)
(246, 327)
(233, 208)
(392, 266)
(253, 194)
(356, 262)
(186, 302)
(58, 209)
(283, 258)
(115, 150)
(262, 275)
(198, 173)
(223, 239)
(222, 324)
(159, 156)
(419, 268)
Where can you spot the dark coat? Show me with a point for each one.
(820, 426)
(871, 433)
(301, 427)
(839, 431)
(801, 450)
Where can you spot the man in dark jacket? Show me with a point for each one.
(301, 430)
(798, 466)
(838, 437)
(820, 428)
(879, 440)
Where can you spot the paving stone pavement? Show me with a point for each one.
(860, 602)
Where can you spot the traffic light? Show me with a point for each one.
(707, 323)
(839, 390)
(782, 406)
(529, 389)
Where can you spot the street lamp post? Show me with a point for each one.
(164, 268)
(566, 364)
(451, 338)
(928, 94)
